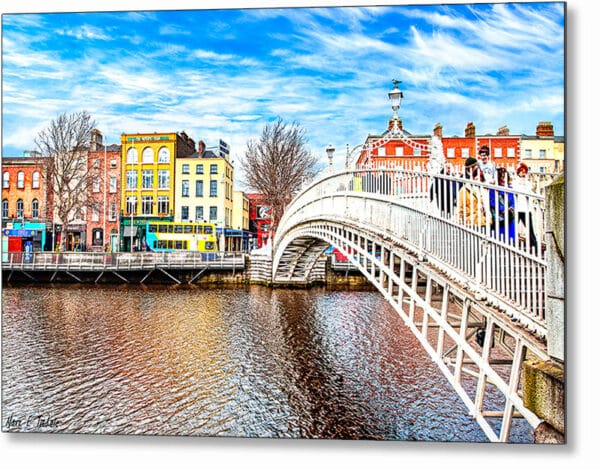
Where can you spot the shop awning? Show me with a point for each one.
(129, 230)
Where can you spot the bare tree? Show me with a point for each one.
(277, 165)
(63, 145)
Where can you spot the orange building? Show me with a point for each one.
(26, 198)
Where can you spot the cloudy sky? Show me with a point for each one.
(224, 74)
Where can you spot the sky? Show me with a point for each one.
(225, 74)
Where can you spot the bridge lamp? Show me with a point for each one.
(395, 97)
(330, 151)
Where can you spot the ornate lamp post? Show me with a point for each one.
(330, 151)
(395, 96)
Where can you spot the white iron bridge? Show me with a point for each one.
(474, 299)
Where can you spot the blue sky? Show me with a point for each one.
(226, 73)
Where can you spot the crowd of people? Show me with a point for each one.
(497, 207)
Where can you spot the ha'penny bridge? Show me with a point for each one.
(478, 303)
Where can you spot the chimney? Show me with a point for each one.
(504, 130)
(437, 130)
(470, 130)
(95, 140)
(391, 124)
(544, 129)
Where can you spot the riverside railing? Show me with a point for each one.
(486, 236)
(83, 261)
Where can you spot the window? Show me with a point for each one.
(163, 155)
(185, 188)
(96, 185)
(96, 163)
(147, 179)
(399, 151)
(185, 169)
(199, 213)
(212, 213)
(464, 153)
(527, 153)
(95, 215)
(5, 180)
(146, 205)
(131, 179)
(35, 180)
(450, 153)
(199, 169)
(131, 205)
(20, 180)
(417, 151)
(185, 213)
(113, 163)
(510, 152)
(20, 208)
(112, 211)
(97, 237)
(113, 184)
(542, 153)
(497, 152)
(214, 169)
(163, 204)
(213, 188)
(542, 169)
(199, 188)
(381, 151)
(132, 155)
(35, 209)
(147, 155)
(5, 208)
(163, 179)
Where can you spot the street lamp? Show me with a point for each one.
(330, 150)
(395, 97)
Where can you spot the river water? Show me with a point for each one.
(244, 362)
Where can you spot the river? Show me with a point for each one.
(244, 362)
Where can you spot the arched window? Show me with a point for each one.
(35, 209)
(148, 155)
(5, 208)
(35, 180)
(20, 180)
(132, 155)
(163, 155)
(5, 180)
(19, 208)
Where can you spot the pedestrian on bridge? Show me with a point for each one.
(472, 202)
(523, 185)
(487, 167)
(445, 191)
(502, 208)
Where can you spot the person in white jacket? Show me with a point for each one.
(523, 185)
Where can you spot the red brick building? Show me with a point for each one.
(26, 199)
(102, 217)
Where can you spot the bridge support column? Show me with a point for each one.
(260, 269)
(544, 394)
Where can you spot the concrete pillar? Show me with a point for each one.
(555, 274)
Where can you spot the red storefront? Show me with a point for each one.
(260, 219)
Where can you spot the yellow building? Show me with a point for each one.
(241, 211)
(544, 152)
(148, 181)
(204, 188)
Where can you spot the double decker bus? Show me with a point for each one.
(181, 236)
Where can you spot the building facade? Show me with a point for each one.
(543, 152)
(26, 204)
(148, 182)
(260, 219)
(103, 215)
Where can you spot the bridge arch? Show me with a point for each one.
(435, 273)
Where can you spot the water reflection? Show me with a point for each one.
(221, 362)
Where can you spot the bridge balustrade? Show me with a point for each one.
(498, 259)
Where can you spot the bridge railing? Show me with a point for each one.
(81, 261)
(488, 236)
